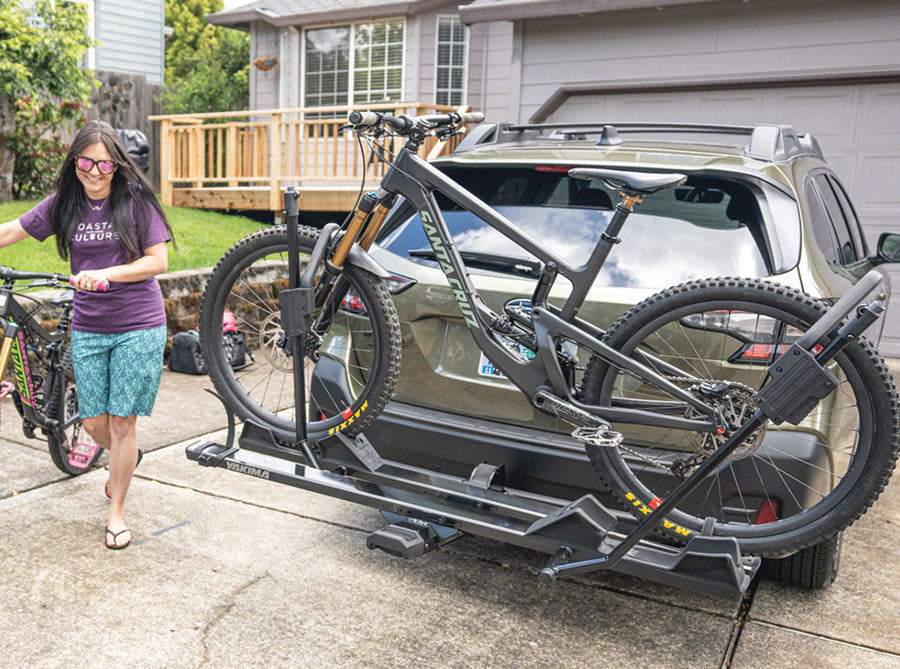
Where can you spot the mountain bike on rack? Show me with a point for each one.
(682, 387)
(44, 391)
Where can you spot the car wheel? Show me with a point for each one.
(814, 568)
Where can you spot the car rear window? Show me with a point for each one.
(707, 227)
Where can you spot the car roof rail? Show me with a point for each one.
(773, 142)
(494, 133)
(780, 143)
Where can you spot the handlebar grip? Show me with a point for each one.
(102, 287)
(471, 117)
(363, 118)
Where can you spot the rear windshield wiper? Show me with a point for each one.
(488, 261)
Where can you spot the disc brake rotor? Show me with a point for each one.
(736, 406)
(271, 337)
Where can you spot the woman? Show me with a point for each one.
(105, 217)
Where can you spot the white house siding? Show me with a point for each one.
(741, 64)
(759, 41)
(488, 42)
(490, 54)
(420, 53)
(265, 42)
(131, 37)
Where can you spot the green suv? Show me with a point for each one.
(769, 207)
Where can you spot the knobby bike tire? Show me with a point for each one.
(359, 353)
(60, 449)
(835, 498)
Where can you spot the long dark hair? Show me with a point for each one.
(127, 182)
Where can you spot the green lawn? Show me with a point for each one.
(202, 238)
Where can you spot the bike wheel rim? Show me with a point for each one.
(806, 516)
(286, 383)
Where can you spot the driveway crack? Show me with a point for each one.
(223, 610)
(738, 623)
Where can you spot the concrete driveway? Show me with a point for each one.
(231, 571)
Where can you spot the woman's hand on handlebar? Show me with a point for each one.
(90, 280)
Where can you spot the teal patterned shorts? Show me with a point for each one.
(118, 373)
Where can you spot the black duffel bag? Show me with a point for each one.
(187, 358)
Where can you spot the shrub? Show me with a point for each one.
(38, 152)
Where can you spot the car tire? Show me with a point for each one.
(813, 568)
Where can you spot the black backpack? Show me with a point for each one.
(187, 358)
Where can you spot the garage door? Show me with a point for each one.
(857, 126)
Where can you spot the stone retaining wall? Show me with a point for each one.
(182, 292)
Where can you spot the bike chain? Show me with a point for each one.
(678, 468)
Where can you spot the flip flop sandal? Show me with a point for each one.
(140, 455)
(82, 454)
(115, 536)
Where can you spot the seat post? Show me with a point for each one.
(608, 238)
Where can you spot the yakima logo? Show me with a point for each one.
(247, 469)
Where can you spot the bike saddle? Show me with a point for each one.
(640, 183)
(63, 298)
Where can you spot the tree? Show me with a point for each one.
(42, 83)
(207, 66)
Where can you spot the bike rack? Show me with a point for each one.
(426, 509)
(452, 506)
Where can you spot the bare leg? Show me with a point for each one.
(122, 460)
(98, 428)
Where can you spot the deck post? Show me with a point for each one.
(275, 162)
(165, 162)
(231, 154)
(260, 156)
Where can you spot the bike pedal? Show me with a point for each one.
(82, 454)
(408, 539)
(598, 436)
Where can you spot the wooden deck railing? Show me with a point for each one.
(275, 148)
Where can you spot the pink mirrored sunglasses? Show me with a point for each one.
(86, 165)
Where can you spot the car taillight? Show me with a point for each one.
(758, 352)
(551, 168)
(397, 283)
(352, 303)
(763, 338)
(763, 352)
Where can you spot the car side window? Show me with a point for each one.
(846, 250)
(850, 216)
(822, 232)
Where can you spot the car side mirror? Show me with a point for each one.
(888, 248)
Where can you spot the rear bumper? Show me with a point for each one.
(556, 465)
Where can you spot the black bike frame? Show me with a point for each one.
(416, 180)
(15, 317)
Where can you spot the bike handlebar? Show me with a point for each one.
(363, 118)
(403, 123)
(15, 275)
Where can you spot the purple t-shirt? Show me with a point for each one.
(126, 306)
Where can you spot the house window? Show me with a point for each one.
(370, 71)
(452, 54)
(378, 62)
(327, 67)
